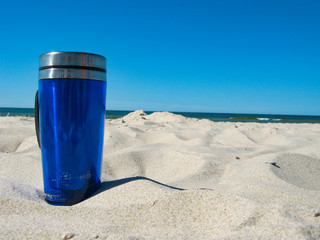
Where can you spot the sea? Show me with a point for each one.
(217, 117)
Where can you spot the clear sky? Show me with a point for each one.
(171, 55)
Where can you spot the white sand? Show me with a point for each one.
(198, 180)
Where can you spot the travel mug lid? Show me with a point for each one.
(77, 65)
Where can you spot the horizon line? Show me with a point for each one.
(280, 114)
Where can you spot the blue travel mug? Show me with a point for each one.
(70, 110)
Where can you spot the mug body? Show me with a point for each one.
(71, 115)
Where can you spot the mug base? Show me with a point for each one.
(70, 197)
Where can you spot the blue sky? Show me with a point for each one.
(202, 56)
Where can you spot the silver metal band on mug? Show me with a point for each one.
(72, 59)
(76, 65)
(58, 73)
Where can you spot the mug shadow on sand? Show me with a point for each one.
(106, 185)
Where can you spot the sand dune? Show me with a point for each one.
(166, 176)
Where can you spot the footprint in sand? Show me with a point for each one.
(299, 170)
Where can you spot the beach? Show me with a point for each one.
(166, 176)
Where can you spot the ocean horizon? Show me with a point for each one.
(218, 117)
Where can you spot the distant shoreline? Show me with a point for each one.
(217, 117)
